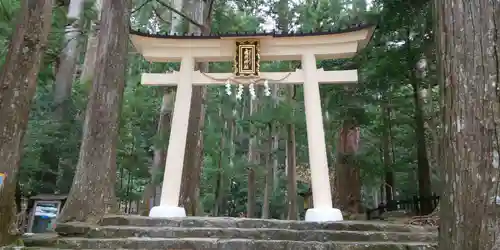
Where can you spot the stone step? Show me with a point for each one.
(218, 222)
(34, 248)
(228, 244)
(244, 233)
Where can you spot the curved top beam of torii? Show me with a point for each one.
(246, 51)
(273, 46)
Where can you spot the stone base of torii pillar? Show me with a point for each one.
(307, 48)
(312, 214)
(319, 214)
(167, 212)
(322, 198)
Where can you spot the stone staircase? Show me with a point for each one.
(196, 233)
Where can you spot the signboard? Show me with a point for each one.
(2, 179)
(247, 58)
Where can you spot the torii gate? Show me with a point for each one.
(246, 51)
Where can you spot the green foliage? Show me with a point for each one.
(383, 67)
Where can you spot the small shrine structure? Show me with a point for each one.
(247, 51)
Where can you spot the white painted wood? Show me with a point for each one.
(225, 53)
(331, 46)
(322, 197)
(176, 147)
(297, 77)
(305, 48)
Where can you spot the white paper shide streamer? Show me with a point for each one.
(228, 87)
(239, 93)
(267, 90)
(251, 89)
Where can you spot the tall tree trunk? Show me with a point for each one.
(92, 193)
(18, 79)
(163, 128)
(160, 154)
(423, 171)
(65, 73)
(291, 173)
(68, 60)
(348, 178)
(469, 64)
(192, 165)
(275, 136)
(268, 188)
(347, 175)
(89, 62)
(232, 148)
(331, 126)
(195, 164)
(219, 189)
(251, 156)
(200, 12)
(283, 25)
(386, 148)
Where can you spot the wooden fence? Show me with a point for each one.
(410, 205)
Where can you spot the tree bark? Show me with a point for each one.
(160, 151)
(330, 145)
(92, 192)
(192, 164)
(269, 178)
(232, 153)
(163, 128)
(251, 158)
(291, 164)
(90, 53)
(347, 173)
(386, 148)
(200, 12)
(423, 170)
(219, 189)
(18, 79)
(275, 136)
(468, 54)
(283, 25)
(68, 59)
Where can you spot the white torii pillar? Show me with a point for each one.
(318, 162)
(324, 45)
(309, 75)
(171, 187)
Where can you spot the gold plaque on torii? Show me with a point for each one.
(247, 58)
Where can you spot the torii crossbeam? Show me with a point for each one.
(246, 51)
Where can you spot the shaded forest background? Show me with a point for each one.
(426, 110)
(253, 163)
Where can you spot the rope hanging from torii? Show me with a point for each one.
(246, 66)
(251, 82)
